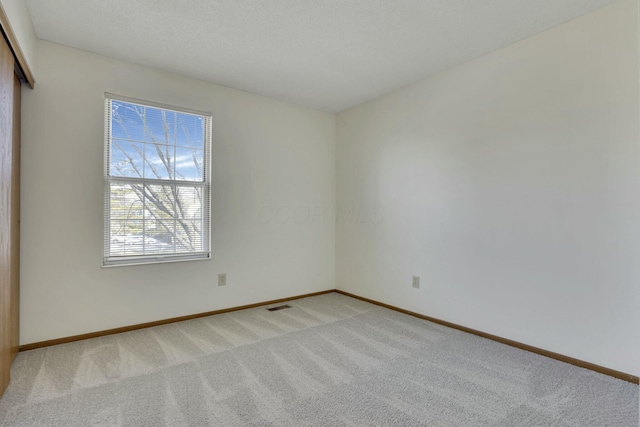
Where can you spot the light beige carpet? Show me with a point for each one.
(329, 360)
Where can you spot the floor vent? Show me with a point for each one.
(280, 307)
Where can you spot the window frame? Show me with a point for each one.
(205, 184)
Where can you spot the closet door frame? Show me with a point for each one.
(14, 71)
(6, 166)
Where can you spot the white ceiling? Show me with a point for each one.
(324, 54)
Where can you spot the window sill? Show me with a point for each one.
(153, 260)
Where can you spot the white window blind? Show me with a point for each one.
(157, 183)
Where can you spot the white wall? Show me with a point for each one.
(511, 185)
(20, 20)
(265, 153)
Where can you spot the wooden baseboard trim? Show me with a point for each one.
(597, 368)
(64, 340)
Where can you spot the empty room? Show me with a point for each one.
(319, 213)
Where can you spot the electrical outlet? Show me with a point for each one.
(416, 282)
(222, 279)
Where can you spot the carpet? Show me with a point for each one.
(329, 360)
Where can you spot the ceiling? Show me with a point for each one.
(325, 54)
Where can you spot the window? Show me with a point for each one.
(157, 183)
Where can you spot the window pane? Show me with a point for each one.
(183, 242)
(159, 236)
(159, 201)
(189, 164)
(127, 237)
(126, 159)
(190, 131)
(190, 207)
(124, 202)
(158, 161)
(160, 127)
(127, 121)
